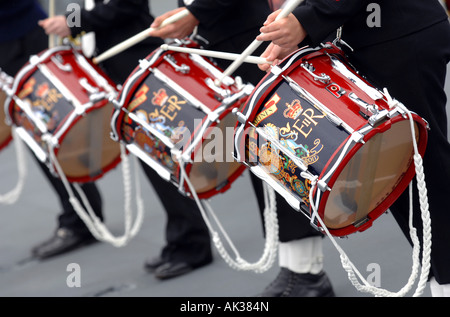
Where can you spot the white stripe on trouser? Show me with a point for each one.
(438, 290)
(302, 256)
(88, 39)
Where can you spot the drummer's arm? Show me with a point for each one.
(284, 34)
(310, 23)
(55, 25)
(176, 30)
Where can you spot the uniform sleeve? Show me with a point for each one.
(321, 17)
(209, 11)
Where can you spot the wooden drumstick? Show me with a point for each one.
(51, 13)
(215, 54)
(288, 8)
(138, 38)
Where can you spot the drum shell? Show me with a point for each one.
(163, 86)
(70, 96)
(334, 134)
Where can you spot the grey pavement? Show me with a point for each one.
(109, 271)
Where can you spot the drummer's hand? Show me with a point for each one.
(176, 30)
(55, 25)
(286, 32)
(274, 54)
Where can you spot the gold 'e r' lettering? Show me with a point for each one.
(307, 119)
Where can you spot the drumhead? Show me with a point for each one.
(88, 151)
(210, 174)
(369, 177)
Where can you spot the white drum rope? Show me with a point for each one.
(95, 224)
(269, 254)
(425, 215)
(11, 197)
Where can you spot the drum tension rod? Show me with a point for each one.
(57, 60)
(184, 69)
(323, 78)
(372, 112)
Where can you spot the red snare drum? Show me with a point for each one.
(61, 97)
(170, 102)
(5, 130)
(314, 118)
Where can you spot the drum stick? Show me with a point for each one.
(288, 8)
(51, 13)
(215, 54)
(138, 38)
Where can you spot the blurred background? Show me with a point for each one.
(108, 271)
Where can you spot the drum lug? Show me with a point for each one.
(357, 137)
(323, 78)
(117, 104)
(233, 98)
(378, 117)
(144, 64)
(51, 140)
(57, 59)
(240, 117)
(368, 108)
(323, 186)
(223, 93)
(213, 117)
(179, 154)
(93, 98)
(89, 88)
(372, 112)
(184, 69)
(276, 70)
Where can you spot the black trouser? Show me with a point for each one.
(68, 218)
(187, 236)
(13, 55)
(413, 69)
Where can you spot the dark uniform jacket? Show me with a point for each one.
(358, 18)
(114, 22)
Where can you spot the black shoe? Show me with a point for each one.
(174, 269)
(291, 284)
(62, 241)
(151, 265)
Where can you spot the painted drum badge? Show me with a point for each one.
(302, 118)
